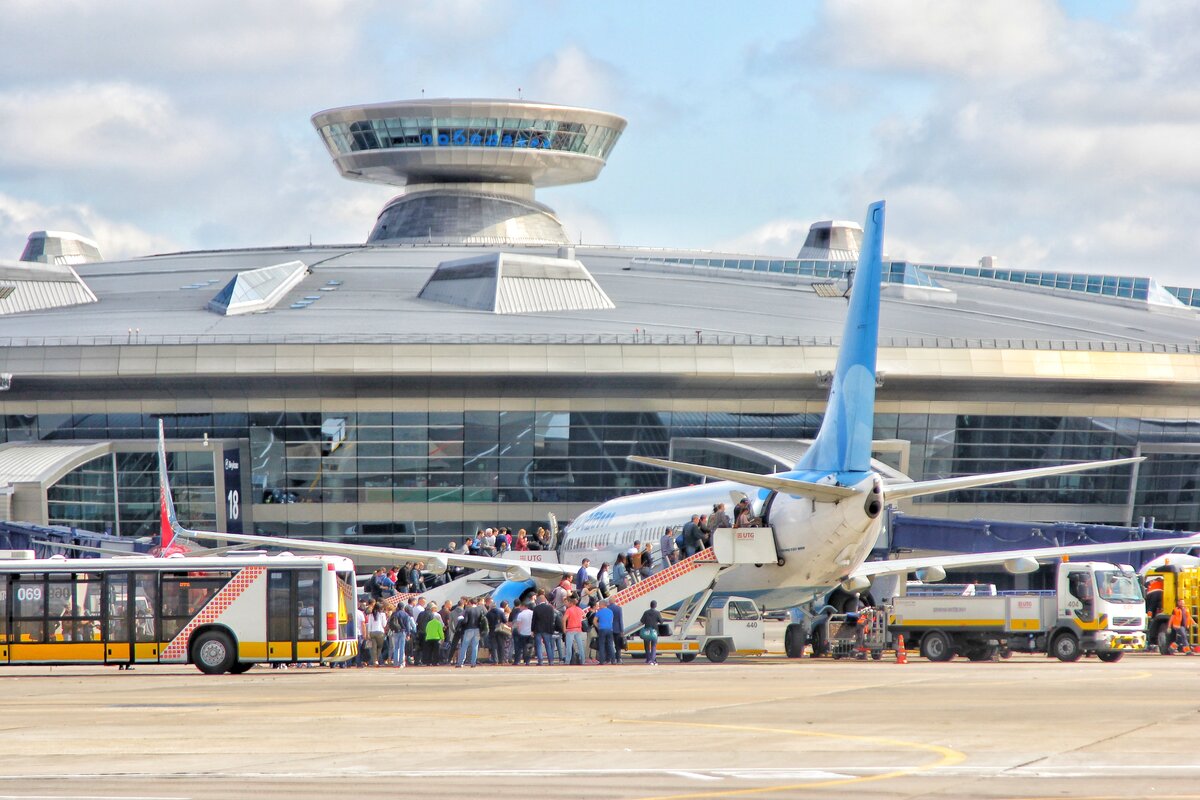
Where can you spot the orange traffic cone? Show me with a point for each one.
(901, 653)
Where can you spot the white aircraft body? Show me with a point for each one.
(826, 513)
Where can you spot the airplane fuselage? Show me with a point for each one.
(820, 543)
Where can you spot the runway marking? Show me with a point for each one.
(88, 797)
(696, 776)
(947, 757)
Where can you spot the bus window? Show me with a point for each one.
(308, 600)
(279, 602)
(145, 607)
(3, 608)
(116, 609)
(29, 608)
(85, 607)
(184, 594)
(347, 594)
(58, 607)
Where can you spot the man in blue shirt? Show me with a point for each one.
(607, 651)
(582, 576)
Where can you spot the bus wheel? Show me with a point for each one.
(1110, 657)
(241, 666)
(793, 641)
(213, 653)
(1066, 647)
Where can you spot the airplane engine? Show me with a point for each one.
(512, 591)
(931, 574)
(1018, 566)
(518, 572)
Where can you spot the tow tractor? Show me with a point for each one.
(732, 626)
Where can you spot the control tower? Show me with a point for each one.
(468, 167)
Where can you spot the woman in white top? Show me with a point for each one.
(376, 633)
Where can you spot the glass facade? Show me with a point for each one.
(577, 457)
(1104, 285)
(399, 132)
(118, 493)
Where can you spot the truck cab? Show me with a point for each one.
(1100, 610)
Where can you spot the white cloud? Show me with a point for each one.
(1013, 39)
(18, 218)
(110, 127)
(1048, 141)
(570, 76)
(781, 237)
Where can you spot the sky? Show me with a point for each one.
(1050, 135)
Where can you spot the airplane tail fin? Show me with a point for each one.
(168, 521)
(843, 443)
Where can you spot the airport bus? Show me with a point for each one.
(221, 613)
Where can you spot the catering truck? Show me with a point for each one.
(1095, 608)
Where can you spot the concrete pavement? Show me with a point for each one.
(1030, 727)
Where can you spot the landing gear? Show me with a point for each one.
(793, 640)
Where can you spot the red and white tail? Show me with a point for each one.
(168, 522)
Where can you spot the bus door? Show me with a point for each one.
(292, 613)
(131, 617)
(4, 638)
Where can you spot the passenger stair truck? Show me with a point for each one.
(1095, 608)
(733, 625)
(1165, 585)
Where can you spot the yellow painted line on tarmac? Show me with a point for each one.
(947, 757)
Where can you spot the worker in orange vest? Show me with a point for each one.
(1181, 620)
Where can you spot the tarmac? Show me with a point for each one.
(1030, 727)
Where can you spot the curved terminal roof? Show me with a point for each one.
(468, 140)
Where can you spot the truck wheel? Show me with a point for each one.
(936, 646)
(1066, 647)
(983, 652)
(686, 658)
(1110, 657)
(213, 652)
(793, 641)
(716, 651)
(1163, 639)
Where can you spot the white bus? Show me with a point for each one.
(221, 613)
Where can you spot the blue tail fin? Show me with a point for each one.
(844, 442)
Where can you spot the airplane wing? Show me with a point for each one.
(434, 562)
(903, 491)
(821, 492)
(870, 569)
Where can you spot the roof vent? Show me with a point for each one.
(511, 283)
(257, 289)
(60, 247)
(833, 240)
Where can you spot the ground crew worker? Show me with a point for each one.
(1181, 621)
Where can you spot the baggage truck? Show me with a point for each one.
(1096, 608)
(1175, 578)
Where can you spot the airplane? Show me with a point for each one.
(826, 513)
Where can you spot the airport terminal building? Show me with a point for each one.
(468, 365)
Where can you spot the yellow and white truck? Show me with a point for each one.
(1096, 608)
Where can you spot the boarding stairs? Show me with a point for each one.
(689, 583)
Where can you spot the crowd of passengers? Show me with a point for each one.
(571, 624)
(577, 622)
